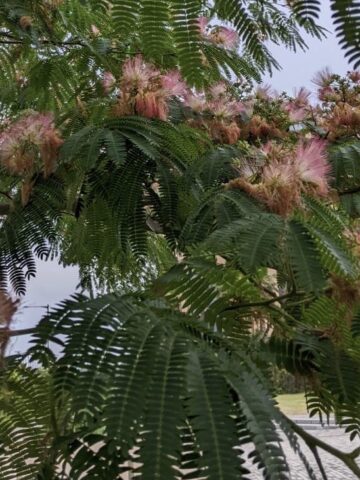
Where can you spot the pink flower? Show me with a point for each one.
(203, 23)
(226, 37)
(276, 174)
(223, 108)
(172, 84)
(151, 105)
(264, 92)
(296, 114)
(222, 132)
(196, 101)
(273, 151)
(301, 97)
(145, 91)
(137, 74)
(279, 188)
(328, 94)
(22, 142)
(354, 76)
(311, 164)
(95, 31)
(108, 82)
(218, 90)
(323, 78)
(247, 108)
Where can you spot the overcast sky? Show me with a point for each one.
(299, 68)
(54, 283)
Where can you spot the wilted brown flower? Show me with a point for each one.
(260, 128)
(25, 22)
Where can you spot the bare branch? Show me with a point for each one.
(350, 191)
(16, 333)
(348, 458)
(4, 209)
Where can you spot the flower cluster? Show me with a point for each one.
(219, 35)
(217, 112)
(339, 113)
(286, 133)
(293, 159)
(298, 107)
(275, 114)
(286, 174)
(27, 141)
(144, 90)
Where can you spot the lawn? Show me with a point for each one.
(292, 404)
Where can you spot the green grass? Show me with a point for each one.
(292, 404)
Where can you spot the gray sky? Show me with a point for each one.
(54, 283)
(299, 68)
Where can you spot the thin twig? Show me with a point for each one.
(349, 191)
(7, 195)
(261, 303)
(319, 463)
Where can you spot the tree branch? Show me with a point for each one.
(16, 333)
(7, 195)
(349, 191)
(4, 209)
(262, 303)
(348, 458)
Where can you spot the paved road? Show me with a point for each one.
(335, 470)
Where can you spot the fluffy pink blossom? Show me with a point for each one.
(226, 37)
(247, 108)
(311, 164)
(277, 173)
(108, 82)
(354, 76)
(267, 148)
(264, 92)
(203, 24)
(196, 101)
(224, 132)
(218, 90)
(137, 74)
(301, 97)
(296, 113)
(95, 31)
(273, 151)
(144, 90)
(278, 189)
(172, 84)
(297, 106)
(151, 105)
(327, 94)
(23, 141)
(323, 78)
(223, 108)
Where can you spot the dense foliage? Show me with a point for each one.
(214, 224)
